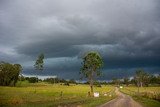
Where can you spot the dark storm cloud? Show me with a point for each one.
(125, 32)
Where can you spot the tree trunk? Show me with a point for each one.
(91, 88)
(141, 84)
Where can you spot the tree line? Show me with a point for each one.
(140, 79)
(48, 80)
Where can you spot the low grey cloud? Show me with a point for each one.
(126, 33)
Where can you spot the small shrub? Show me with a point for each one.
(33, 79)
(66, 83)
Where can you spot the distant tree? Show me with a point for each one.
(155, 79)
(146, 79)
(51, 80)
(92, 62)
(66, 83)
(97, 83)
(133, 81)
(21, 78)
(126, 81)
(33, 79)
(63, 81)
(27, 78)
(39, 64)
(142, 78)
(72, 81)
(158, 79)
(116, 81)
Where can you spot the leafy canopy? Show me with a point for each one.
(9, 73)
(92, 62)
(39, 62)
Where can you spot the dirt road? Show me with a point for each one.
(121, 101)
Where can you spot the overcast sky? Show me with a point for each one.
(125, 32)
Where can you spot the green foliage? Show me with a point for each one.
(97, 84)
(92, 62)
(33, 80)
(58, 80)
(142, 78)
(52, 80)
(155, 79)
(39, 62)
(21, 78)
(126, 81)
(116, 81)
(9, 73)
(72, 81)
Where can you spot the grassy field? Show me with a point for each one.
(147, 96)
(45, 95)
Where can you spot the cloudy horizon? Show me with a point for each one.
(125, 32)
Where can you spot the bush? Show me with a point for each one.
(66, 83)
(51, 80)
(33, 80)
(21, 78)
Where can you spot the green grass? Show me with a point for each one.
(145, 101)
(44, 95)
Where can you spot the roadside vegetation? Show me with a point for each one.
(143, 87)
(147, 96)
